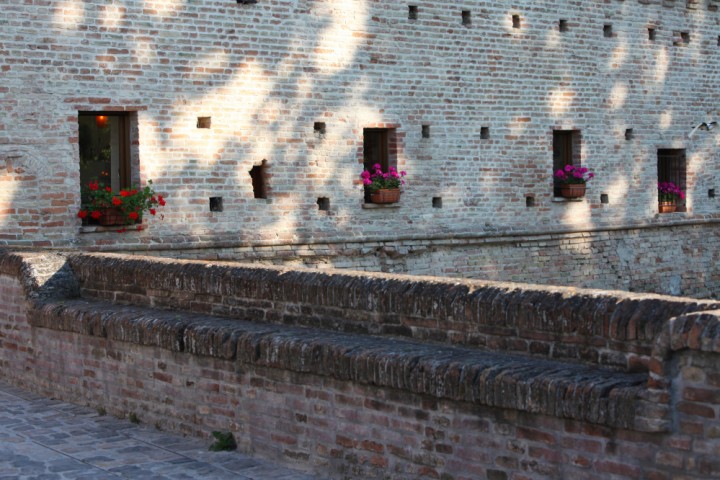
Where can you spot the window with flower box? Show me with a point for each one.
(104, 145)
(379, 147)
(672, 169)
(566, 150)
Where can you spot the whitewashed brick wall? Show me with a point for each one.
(266, 72)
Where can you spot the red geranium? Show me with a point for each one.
(131, 203)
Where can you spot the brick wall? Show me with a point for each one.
(333, 403)
(265, 73)
(679, 260)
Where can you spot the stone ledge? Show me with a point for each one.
(563, 390)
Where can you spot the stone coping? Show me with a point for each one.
(600, 396)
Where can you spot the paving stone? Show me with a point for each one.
(45, 439)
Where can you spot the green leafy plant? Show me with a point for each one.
(224, 441)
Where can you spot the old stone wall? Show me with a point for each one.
(491, 90)
(297, 378)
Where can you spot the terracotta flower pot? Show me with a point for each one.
(571, 190)
(385, 195)
(114, 216)
(667, 207)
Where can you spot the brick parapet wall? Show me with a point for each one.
(606, 328)
(282, 404)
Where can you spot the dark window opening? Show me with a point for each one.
(466, 20)
(516, 21)
(426, 131)
(652, 34)
(412, 12)
(247, 2)
(629, 134)
(711, 193)
(258, 174)
(104, 146)
(323, 204)
(319, 128)
(563, 25)
(607, 31)
(204, 122)
(566, 149)
(437, 202)
(216, 204)
(604, 198)
(529, 201)
(672, 168)
(484, 133)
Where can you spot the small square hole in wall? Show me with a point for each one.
(563, 25)
(319, 128)
(685, 37)
(466, 20)
(652, 34)
(711, 193)
(629, 134)
(412, 12)
(516, 21)
(529, 201)
(604, 198)
(484, 133)
(204, 122)
(216, 204)
(426, 131)
(607, 31)
(437, 202)
(718, 40)
(323, 204)
(247, 2)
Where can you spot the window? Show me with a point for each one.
(379, 147)
(566, 149)
(104, 144)
(672, 168)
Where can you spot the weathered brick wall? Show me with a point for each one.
(266, 72)
(278, 396)
(598, 327)
(680, 260)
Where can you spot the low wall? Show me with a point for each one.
(338, 401)
(674, 258)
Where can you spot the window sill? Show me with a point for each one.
(379, 206)
(100, 229)
(566, 200)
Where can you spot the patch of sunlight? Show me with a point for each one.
(661, 67)
(112, 16)
(163, 8)
(69, 14)
(561, 100)
(619, 55)
(618, 95)
(338, 43)
(576, 214)
(666, 118)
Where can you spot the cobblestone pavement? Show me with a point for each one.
(43, 439)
